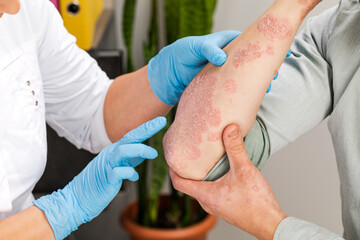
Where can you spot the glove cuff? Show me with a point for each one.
(161, 85)
(58, 212)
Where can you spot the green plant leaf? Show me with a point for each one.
(172, 16)
(159, 173)
(149, 216)
(186, 218)
(187, 18)
(142, 193)
(174, 201)
(128, 24)
(183, 18)
(151, 48)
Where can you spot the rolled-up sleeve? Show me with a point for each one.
(297, 229)
(5, 199)
(302, 96)
(74, 85)
(299, 100)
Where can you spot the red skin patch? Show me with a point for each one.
(274, 28)
(230, 86)
(214, 136)
(270, 50)
(195, 114)
(275, 72)
(250, 53)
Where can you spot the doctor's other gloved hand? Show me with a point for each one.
(277, 74)
(242, 197)
(177, 64)
(87, 195)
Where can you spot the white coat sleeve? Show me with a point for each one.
(74, 85)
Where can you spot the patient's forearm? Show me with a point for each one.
(233, 92)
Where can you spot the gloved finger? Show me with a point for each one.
(144, 131)
(289, 53)
(211, 49)
(276, 76)
(224, 38)
(121, 173)
(269, 88)
(129, 154)
(133, 162)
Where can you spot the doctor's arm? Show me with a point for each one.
(28, 224)
(90, 110)
(88, 194)
(152, 91)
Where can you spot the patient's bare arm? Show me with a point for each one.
(233, 92)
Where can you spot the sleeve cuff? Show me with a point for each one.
(297, 229)
(5, 199)
(99, 137)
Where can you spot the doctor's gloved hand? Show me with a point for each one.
(87, 195)
(277, 74)
(177, 64)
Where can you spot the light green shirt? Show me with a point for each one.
(320, 79)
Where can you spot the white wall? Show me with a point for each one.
(303, 175)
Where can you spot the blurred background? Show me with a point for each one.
(303, 174)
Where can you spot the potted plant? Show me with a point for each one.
(177, 216)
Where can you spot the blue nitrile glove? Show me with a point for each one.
(177, 64)
(277, 74)
(87, 195)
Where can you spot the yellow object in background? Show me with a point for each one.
(80, 18)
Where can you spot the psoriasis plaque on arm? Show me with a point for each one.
(274, 28)
(230, 93)
(230, 86)
(198, 114)
(251, 52)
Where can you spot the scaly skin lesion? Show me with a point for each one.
(233, 92)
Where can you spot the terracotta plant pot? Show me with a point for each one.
(197, 231)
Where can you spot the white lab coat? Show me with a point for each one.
(44, 76)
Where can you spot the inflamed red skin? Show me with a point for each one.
(250, 53)
(195, 119)
(274, 28)
(232, 93)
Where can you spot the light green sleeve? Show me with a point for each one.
(257, 146)
(299, 99)
(297, 229)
